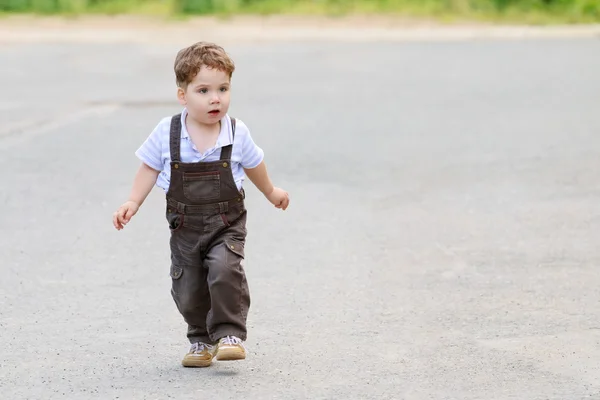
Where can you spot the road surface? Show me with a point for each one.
(442, 240)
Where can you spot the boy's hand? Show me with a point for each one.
(123, 215)
(279, 198)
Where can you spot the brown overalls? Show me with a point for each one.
(207, 220)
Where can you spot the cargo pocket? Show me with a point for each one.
(176, 273)
(236, 255)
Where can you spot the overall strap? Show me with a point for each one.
(226, 151)
(175, 138)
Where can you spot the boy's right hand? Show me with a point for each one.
(123, 215)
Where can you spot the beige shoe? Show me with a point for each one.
(231, 348)
(200, 355)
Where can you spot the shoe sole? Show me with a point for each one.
(231, 354)
(196, 363)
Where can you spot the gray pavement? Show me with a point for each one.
(441, 243)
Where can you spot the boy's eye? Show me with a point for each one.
(203, 90)
(223, 89)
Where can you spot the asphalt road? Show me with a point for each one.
(442, 240)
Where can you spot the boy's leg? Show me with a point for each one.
(189, 286)
(229, 292)
(191, 295)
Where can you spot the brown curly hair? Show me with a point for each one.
(190, 59)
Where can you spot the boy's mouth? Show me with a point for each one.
(213, 112)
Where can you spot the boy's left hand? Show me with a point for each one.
(279, 198)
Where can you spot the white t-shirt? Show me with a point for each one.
(155, 151)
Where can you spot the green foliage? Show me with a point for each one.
(584, 9)
(559, 10)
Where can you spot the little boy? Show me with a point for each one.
(199, 158)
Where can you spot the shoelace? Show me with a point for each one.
(200, 347)
(232, 340)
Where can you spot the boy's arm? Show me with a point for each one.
(144, 181)
(259, 176)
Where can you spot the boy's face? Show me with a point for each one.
(206, 97)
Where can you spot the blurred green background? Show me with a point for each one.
(540, 11)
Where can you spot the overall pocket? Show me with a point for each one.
(202, 186)
(175, 221)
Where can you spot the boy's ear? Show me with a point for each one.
(181, 96)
